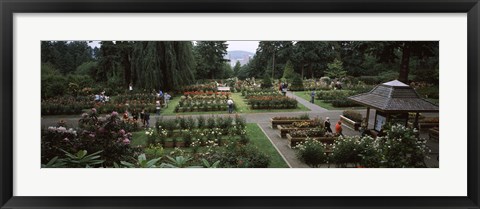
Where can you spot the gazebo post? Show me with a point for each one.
(368, 115)
(415, 124)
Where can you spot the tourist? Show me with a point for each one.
(125, 115)
(130, 87)
(284, 89)
(312, 96)
(327, 125)
(167, 98)
(230, 105)
(338, 129)
(146, 118)
(135, 114)
(157, 107)
(142, 117)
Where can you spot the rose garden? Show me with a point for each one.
(279, 121)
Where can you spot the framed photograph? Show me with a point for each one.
(264, 104)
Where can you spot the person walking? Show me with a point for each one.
(146, 118)
(142, 116)
(135, 114)
(230, 105)
(312, 96)
(328, 129)
(167, 98)
(157, 107)
(284, 89)
(339, 129)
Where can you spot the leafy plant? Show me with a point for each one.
(201, 121)
(54, 163)
(346, 150)
(206, 164)
(142, 162)
(401, 148)
(82, 160)
(178, 162)
(211, 122)
(311, 152)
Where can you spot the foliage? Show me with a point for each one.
(311, 152)
(94, 134)
(346, 150)
(177, 162)
(297, 83)
(272, 102)
(209, 59)
(81, 159)
(353, 115)
(335, 69)
(288, 72)
(267, 82)
(401, 148)
(142, 162)
(206, 164)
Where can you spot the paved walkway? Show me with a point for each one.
(263, 120)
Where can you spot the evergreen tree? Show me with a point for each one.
(288, 73)
(267, 82)
(209, 58)
(335, 69)
(236, 68)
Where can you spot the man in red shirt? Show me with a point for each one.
(338, 128)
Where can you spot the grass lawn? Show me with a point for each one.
(306, 95)
(257, 138)
(240, 104)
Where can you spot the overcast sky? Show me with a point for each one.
(249, 46)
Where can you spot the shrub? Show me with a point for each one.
(297, 83)
(94, 134)
(201, 122)
(400, 148)
(353, 115)
(346, 150)
(244, 156)
(311, 152)
(267, 82)
(211, 122)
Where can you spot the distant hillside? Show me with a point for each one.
(242, 56)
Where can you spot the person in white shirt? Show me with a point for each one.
(166, 98)
(230, 105)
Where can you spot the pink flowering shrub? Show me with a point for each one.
(94, 134)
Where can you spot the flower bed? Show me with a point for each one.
(69, 105)
(201, 87)
(203, 102)
(66, 105)
(272, 102)
(275, 123)
(294, 141)
(183, 132)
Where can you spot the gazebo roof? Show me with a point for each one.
(394, 96)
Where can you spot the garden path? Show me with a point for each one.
(312, 107)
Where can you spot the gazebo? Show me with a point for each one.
(393, 101)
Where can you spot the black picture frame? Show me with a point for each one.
(10, 7)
